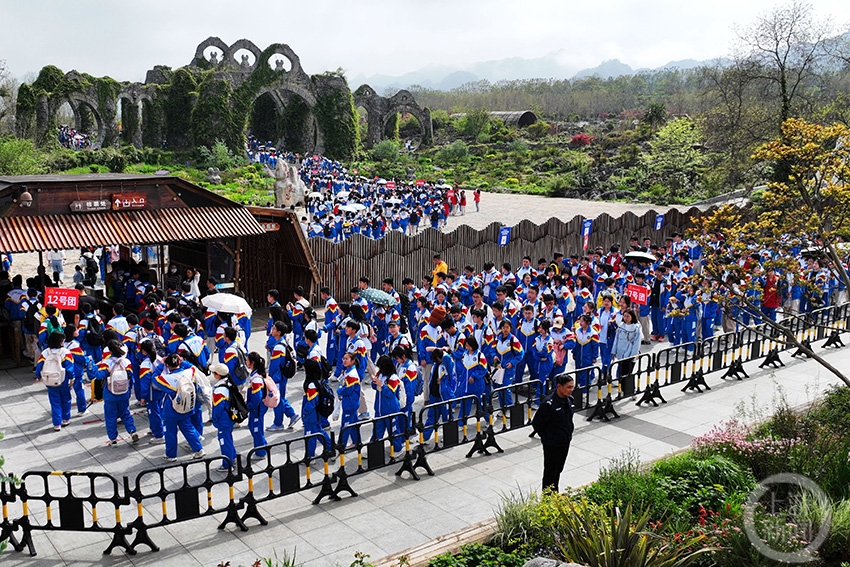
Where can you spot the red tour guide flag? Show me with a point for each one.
(638, 293)
(62, 298)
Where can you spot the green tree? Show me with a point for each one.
(8, 91)
(475, 123)
(655, 115)
(386, 150)
(457, 152)
(784, 49)
(20, 157)
(675, 159)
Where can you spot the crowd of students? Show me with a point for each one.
(73, 139)
(342, 204)
(460, 333)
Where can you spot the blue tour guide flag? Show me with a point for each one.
(659, 222)
(504, 235)
(586, 228)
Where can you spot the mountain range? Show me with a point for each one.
(555, 65)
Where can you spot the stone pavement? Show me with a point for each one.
(390, 514)
(511, 208)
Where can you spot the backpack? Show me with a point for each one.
(302, 350)
(94, 332)
(158, 344)
(192, 358)
(31, 322)
(198, 311)
(52, 371)
(325, 407)
(240, 372)
(53, 327)
(238, 407)
(288, 369)
(186, 395)
(271, 396)
(326, 367)
(118, 381)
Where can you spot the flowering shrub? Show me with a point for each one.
(734, 440)
(725, 530)
(581, 140)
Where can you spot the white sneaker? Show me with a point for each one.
(157, 441)
(199, 455)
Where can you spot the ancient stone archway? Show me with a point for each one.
(149, 111)
(309, 136)
(380, 110)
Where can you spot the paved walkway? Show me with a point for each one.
(510, 208)
(391, 514)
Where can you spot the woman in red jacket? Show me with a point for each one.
(771, 300)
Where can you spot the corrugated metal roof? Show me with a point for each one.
(62, 232)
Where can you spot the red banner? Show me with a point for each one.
(638, 293)
(390, 184)
(62, 298)
(420, 182)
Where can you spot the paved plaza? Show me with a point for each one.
(390, 514)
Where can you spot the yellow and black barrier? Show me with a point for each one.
(180, 492)
(69, 501)
(286, 467)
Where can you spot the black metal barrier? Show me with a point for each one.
(69, 501)
(91, 502)
(189, 488)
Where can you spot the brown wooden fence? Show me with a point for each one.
(399, 256)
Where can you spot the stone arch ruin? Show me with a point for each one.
(381, 109)
(139, 108)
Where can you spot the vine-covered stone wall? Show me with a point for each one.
(200, 103)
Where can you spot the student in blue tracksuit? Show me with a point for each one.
(79, 367)
(277, 363)
(349, 395)
(408, 373)
(149, 366)
(586, 351)
(60, 395)
(441, 388)
(508, 354)
(690, 302)
(333, 316)
(255, 394)
(526, 333)
(221, 415)
(543, 354)
(607, 328)
(310, 416)
(471, 373)
(229, 355)
(167, 382)
(116, 395)
(387, 388)
(710, 309)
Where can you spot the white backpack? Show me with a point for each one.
(52, 371)
(118, 381)
(186, 396)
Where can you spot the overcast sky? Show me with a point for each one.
(123, 39)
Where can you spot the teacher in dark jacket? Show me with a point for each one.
(553, 422)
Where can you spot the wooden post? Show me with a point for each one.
(237, 268)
